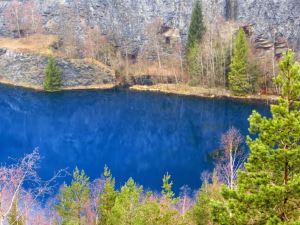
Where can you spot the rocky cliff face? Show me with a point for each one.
(272, 18)
(22, 68)
(125, 21)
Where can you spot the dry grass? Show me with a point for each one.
(40, 88)
(37, 43)
(184, 89)
(98, 64)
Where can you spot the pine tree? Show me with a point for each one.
(127, 204)
(53, 79)
(149, 212)
(268, 191)
(167, 188)
(196, 29)
(13, 217)
(239, 79)
(202, 210)
(107, 197)
(73, 198)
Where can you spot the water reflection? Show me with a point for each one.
(142, 135)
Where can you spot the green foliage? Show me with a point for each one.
(196, 32)
(148, 213)
(73, 198)
(239, 78)
(155, 212)
(196, 29)
(13, 217)
(201, 212)
(53, 79)
(107, 198)
(268, 191)
(254, 73)
(126, 205)
(193, 63)
(167, 189)
(289, 77)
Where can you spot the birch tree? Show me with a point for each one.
(231, 158)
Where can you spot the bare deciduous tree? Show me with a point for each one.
(23, 17)
(96, 46)
(152, 32)
(231, 157)
(13, 16)
(12, 180)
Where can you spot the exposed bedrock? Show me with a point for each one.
(125, 21)
(29, 69)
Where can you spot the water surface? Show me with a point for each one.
(139, 135)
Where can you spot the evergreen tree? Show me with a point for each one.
(268, 191)
(196, 29)
(107, 197)
(53, 79)
(239, 79)
(13, 217)
(148, 213)
(202, 210)
(196, 32)
(126, 205)
(167, 188)
(193, 62)
(73, 198)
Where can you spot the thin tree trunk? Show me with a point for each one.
(18, 22)
(158, 55)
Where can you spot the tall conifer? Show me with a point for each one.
(73, 198)
(107, 198)
(239, 80)
(268, 191)
(195, 35)
(53, 79)
(196, 29)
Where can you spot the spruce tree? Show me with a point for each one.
(268, 191)
(13, 217)
(195, 35)
(196, 29)
(73, 198)
(53, 78)
(239, 80)
(107, 198)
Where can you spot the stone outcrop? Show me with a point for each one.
(28, 68)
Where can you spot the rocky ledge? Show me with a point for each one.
(28, 69)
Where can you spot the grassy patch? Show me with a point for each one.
(36, 43)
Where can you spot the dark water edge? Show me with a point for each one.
(137, 134)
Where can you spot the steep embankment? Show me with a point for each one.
(23, 62)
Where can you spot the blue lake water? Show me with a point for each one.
(139, 135)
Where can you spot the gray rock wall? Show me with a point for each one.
(125, 20)
(20, 68)
(279, 17)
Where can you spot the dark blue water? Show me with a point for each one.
(139, 135)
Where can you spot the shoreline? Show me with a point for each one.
(41, 89)
(172, 89)
(200, 92)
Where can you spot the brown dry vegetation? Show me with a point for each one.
(198, 91)
(37, 43)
